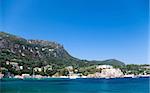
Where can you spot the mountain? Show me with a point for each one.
(112, 62)
(40, 53)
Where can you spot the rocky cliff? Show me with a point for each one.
(39, 52)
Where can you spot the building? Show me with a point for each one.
(48, 67)
(104, 67)
(37, 69)
(1, 75)
(26, 76)
(38, 76)
(18, 76)
(146, 67)
(14, 64)
(21, 67)
(69, 68)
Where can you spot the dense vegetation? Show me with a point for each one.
(136, 69)
(39, 53)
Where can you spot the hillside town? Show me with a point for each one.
(102, 71)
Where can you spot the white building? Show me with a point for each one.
(69, 68)
(48, 67)
(50, 50)
(18, 76)
(26, 76)
(37, 69)
(13, 64)
(104, 67)
(20, 67)
(1, 75)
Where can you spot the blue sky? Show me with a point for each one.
(88, 29)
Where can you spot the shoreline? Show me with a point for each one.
(5, 79)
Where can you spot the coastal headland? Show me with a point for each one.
(21, 58)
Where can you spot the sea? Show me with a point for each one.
(81, 85)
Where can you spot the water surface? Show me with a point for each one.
(120, 85)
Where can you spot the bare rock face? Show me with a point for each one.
(34, 50)
(107, 71)
(111, 73)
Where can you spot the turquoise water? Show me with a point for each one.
(122, 85)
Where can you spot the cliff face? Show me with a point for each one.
(33, 48)
(13, 48)
(36, 52)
